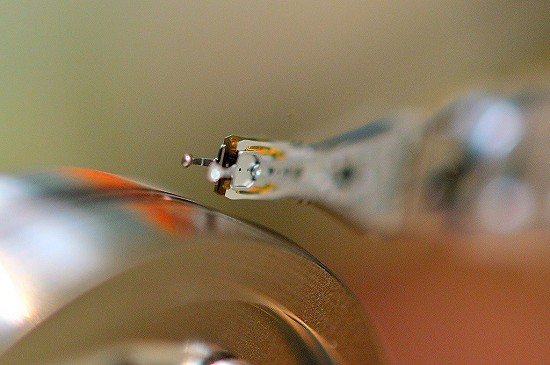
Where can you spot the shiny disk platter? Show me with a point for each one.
(95, 268)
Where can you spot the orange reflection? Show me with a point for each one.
(99, 179)
(166, 214)
(162, 212)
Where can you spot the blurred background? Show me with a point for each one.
(129, 86)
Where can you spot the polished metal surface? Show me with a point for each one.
(89, 260)
(160, 353)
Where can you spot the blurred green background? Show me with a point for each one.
(128, 86)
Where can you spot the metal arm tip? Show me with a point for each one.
(188, 160)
